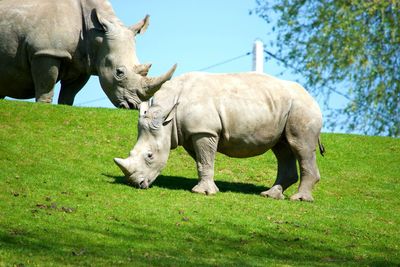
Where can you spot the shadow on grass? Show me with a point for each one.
(240, 246)
(184, 183)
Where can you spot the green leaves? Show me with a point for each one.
(351, 47)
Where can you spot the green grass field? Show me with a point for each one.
(63, 201)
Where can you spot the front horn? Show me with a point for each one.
(152, 84)
(123, 165)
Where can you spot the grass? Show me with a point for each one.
(63, 202)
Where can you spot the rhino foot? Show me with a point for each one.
(275, 192)
(302, 197)
(206, 188)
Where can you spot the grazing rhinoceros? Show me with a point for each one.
(240, 115)
(45, 41)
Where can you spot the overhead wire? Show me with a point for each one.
(91, 101)
(202, 69)
(272, 55)
(347, 97)
(225, 62)
(299, 71)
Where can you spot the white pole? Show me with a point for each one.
(258, 56)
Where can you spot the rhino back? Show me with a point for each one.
(248, 111)
(40, 24)
(44, 27)
(28, 27)
(45, 24)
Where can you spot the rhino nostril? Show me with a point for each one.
(124, 105)
(143, 184)
(131, 105)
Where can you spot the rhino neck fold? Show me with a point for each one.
(91, 38)
(166, 98)
(174, 133)
(88, 43)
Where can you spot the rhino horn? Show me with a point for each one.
(142, 69)
(152, 84)
(123, 165)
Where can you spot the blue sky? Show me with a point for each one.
(195, 34)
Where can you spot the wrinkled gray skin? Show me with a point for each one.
(46, 41)
(240, 115)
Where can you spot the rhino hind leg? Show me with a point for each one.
(309, 174)
(287, 171)
(302, 131)
(44, 73)
(205, 147)
(304, 147)
(69, 89)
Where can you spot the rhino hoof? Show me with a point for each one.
(206, 188)
(274, 192)
(302, 197)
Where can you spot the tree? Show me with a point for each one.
(350, 47)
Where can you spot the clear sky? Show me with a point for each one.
(195, 34)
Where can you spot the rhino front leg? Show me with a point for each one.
(205, 146)
(287, 171)
(69, 89)
(44, 73)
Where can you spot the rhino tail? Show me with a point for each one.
(321, 147)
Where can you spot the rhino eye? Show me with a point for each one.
(149, 158)
(120, 73)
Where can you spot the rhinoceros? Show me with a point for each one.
(240, 115)
(45, 41)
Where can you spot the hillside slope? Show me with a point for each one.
(64, 202)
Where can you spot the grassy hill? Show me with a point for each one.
(64, 202)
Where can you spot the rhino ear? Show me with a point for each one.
(171, 114)
(104, 24)
(141, 26)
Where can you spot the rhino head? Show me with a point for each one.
(122, 77)
(151, 151)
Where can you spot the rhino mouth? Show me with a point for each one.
(141, 183)
(144, 184)
(123, 105)
(126, 104)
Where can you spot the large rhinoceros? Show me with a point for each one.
(45, 41)
(240, 115)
